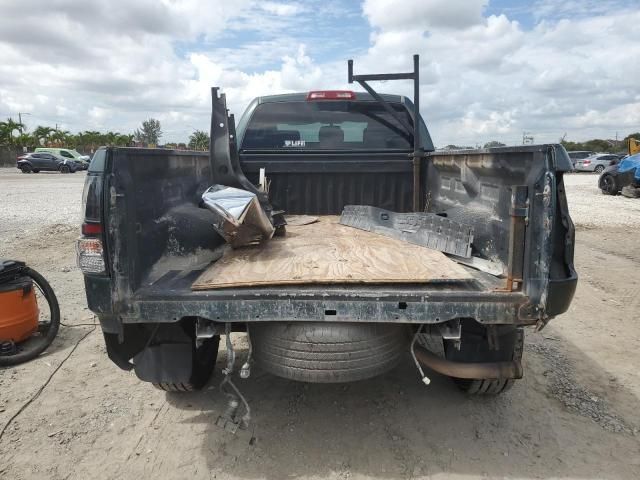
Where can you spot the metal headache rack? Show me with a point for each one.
(413, 130)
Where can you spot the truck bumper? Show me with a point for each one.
(336, 306)
(560, 295)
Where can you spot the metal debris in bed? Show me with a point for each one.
(239, 218)
(425, 229)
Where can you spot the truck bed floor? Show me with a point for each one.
(328, 253)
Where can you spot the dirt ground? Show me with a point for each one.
(573, 416)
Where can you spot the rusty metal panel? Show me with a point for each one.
(425, 229)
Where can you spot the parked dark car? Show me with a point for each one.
(82, 161)
(624, 173)
(46, 162)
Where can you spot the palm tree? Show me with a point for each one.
(80, 139)
(42, 134)
(6, 130)
(199, 140)
(124, 139)
(92, 138)
(24, 140)
(60, 137)
(5, 134)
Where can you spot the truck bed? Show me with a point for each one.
(159, 241)
(325, 252)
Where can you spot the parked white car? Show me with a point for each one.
(595, 163)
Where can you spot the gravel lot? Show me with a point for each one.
(573, 416)
(29, 203)
(590, 209)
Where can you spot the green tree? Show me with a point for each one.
(150, 132)
(79, 139)
(7, 129)
(24, 140)
(124, 139)
(111, 138)
(42, 134)
(5, 134)
(60, 137)
(456, 147)
(595, 145)
(599, 145)
(199, 140)
(631, 135)
(494, 144)
(92, 138)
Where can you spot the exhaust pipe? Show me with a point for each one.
(471, 371)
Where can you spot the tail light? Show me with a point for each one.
(331, 95)
(90, 255)
(89, 247)
(90, 229)
(586, 162)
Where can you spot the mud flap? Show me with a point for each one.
(166, 363)
(121, 353)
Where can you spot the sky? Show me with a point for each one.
(490, 69)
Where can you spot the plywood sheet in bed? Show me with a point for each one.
(326, 252)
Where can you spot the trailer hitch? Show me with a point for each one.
(231, 421)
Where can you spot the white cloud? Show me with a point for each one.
(109, 64)
(97, 114)
(425, 14)
(296, 73)
(281, 9)
(491, 123)
(490, 78)
(543, 9)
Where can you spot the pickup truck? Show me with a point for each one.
(146, 239)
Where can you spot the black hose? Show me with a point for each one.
(39, 344)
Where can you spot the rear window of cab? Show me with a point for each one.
(327, 125)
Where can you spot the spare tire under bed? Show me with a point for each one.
(321, 352)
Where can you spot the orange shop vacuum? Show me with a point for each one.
(23, 333)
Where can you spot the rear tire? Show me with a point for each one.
(484, 387)
(174, 387)
(608, 185)
(599, 169)
(322, 352)
(474, 347)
